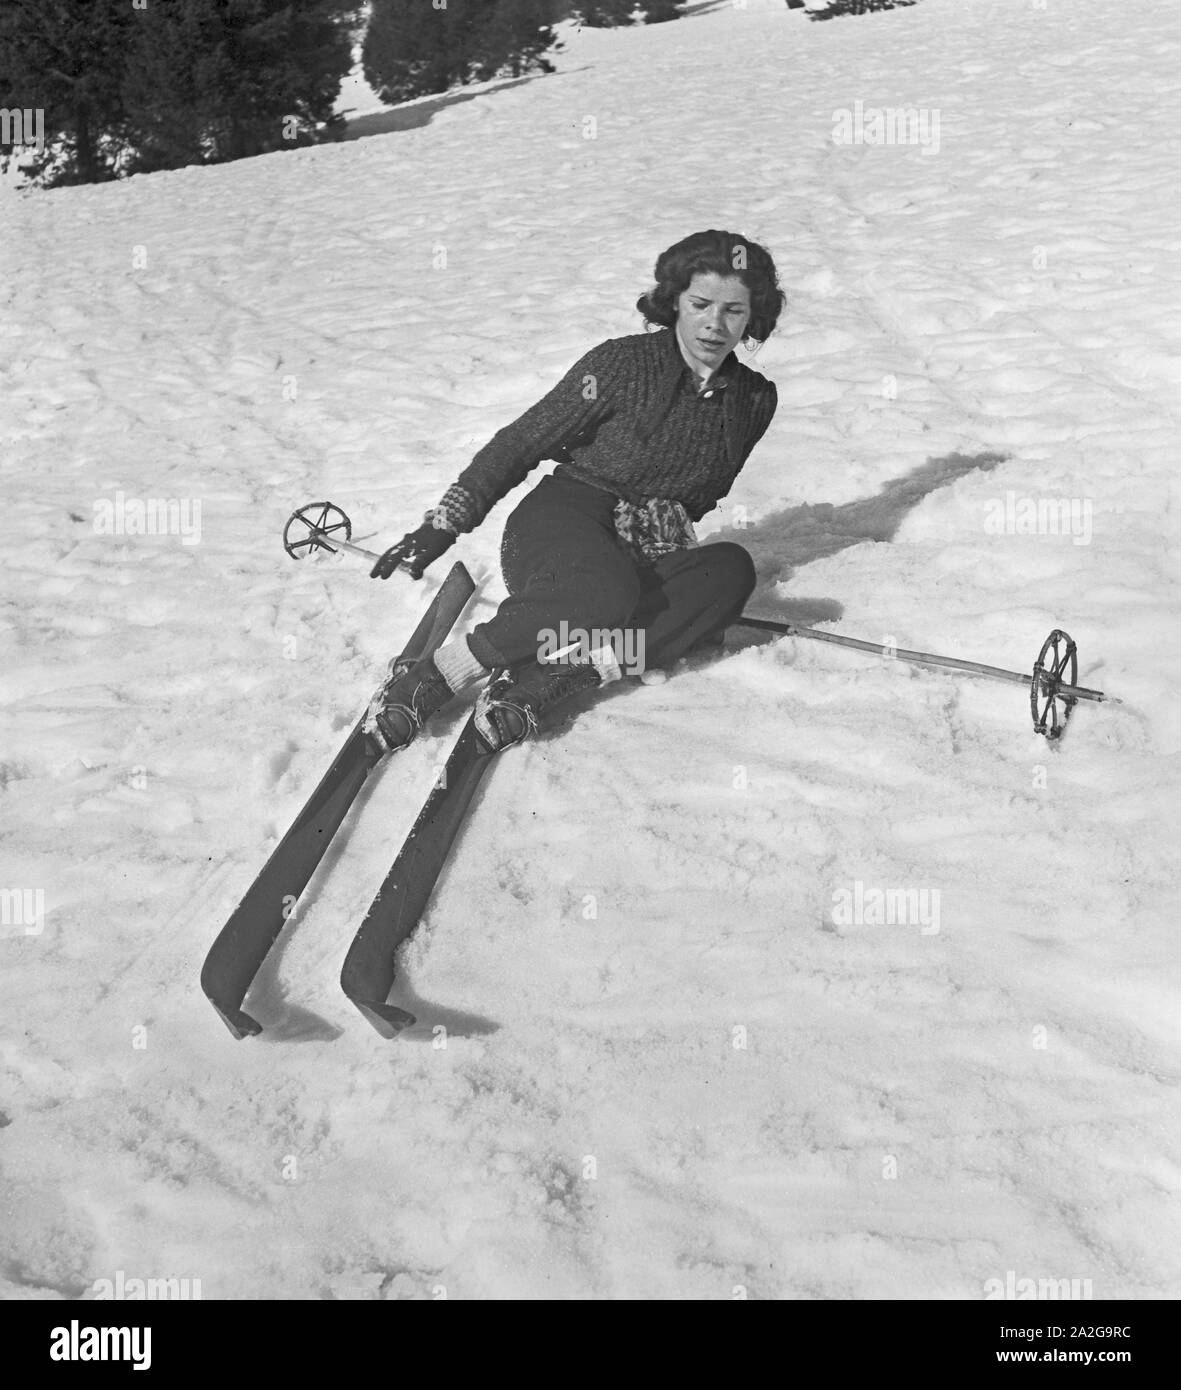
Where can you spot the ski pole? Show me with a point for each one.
(1047, 683)
(1053, 691)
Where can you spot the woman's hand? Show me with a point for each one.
(414, 552)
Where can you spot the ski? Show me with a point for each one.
(368, 972)
(252, 929)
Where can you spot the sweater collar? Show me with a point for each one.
(719, 378)
(671, 372)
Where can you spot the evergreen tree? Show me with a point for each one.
(412, 49)
(837, 8)
(660, 11)
(212, 80)
(177, 71)
(65, 57)
(128, 89)
(515, 39)
(606, 14)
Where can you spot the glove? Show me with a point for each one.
(414, 552)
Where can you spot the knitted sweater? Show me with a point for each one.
(627, 417)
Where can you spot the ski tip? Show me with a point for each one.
(240, 1025)
(388, 1020)
(460, 576)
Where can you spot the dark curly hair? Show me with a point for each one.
(722, 253)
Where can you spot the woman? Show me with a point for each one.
(650, 431)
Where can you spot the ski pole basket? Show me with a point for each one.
(321, 526)
(1052, 691)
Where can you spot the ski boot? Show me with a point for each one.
(404, 703)
(513, 703)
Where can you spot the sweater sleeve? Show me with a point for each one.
(576, 405)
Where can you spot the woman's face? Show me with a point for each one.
(712, 315)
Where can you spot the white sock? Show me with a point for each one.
(604, 660)
(458, 666)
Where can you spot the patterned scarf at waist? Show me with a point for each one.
(653, 527)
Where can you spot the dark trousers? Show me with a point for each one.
(562, 560)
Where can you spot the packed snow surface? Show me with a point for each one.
(683, 1057)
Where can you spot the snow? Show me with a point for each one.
(673, 1067)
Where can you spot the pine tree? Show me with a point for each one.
(183, 55)
(65, 57)
(412, 48)
(837, 8)
(606, 14)
(661, 11)
(192, 81)
(515, 39)
(212, 80)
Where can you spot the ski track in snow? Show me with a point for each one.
(634, 891)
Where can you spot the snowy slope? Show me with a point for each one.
(673, 1067)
